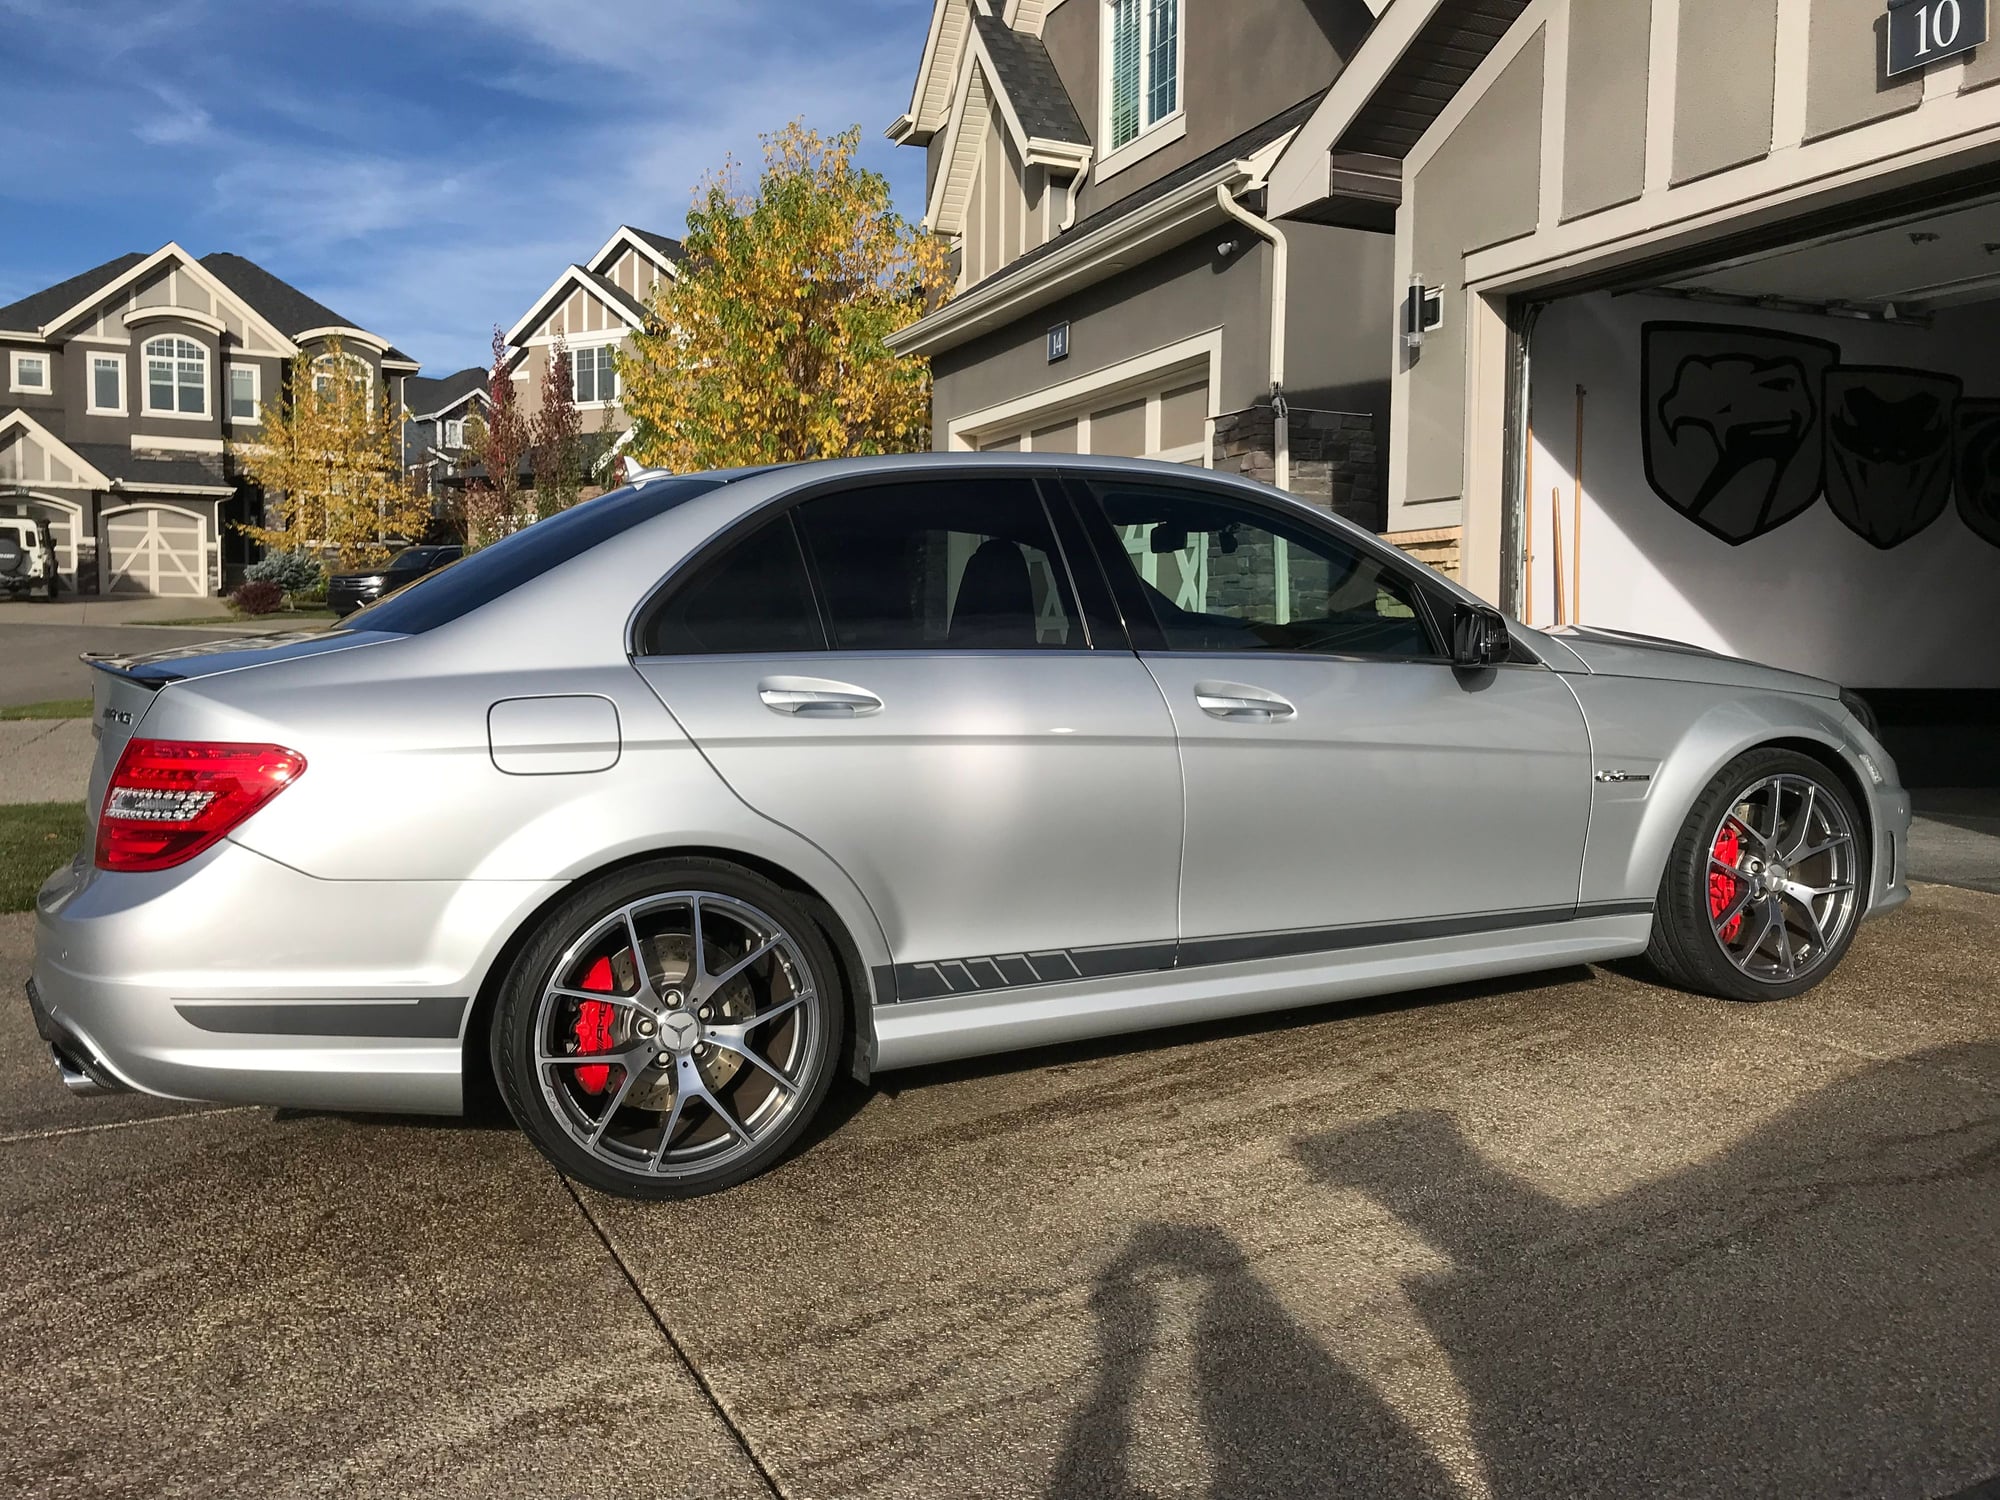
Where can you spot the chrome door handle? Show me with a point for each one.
(816, 698)
(1234, 700)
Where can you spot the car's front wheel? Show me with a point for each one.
(670, 1030)
(1764, 887)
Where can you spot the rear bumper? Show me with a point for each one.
(82, 1071)
(238, 980)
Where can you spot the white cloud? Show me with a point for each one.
(447, 158)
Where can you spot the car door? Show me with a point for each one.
(902, 673)
(1345, 783)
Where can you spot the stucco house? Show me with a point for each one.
(594, 306)
(1101, 170)
(120, 389)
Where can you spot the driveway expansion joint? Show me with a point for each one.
(708, 1391)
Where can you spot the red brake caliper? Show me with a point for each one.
(593, 1028)
(1721, 887)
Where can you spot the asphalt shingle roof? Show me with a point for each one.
(667, 245)
(32, 311)
(118, 461)
(288, 309)
(426, 397)
(1031, 82)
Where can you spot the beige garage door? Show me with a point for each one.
(1169, 423)
(153, 550)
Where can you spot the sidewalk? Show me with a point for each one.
(45, 760)
(165, 613)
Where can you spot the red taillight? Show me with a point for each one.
(170, 799)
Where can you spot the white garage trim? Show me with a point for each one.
(1144, 373)
(160, 565)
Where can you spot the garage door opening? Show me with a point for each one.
(1791, 454)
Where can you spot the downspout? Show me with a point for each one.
(1281, 263)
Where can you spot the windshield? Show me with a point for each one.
(481, 577)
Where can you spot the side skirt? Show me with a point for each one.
(916, 1033)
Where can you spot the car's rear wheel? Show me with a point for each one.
(1763, 890)
(670, 1030)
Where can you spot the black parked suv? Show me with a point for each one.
(349, 591)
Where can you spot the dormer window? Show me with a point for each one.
(176, 377)
(1143, 54)
(454, 432)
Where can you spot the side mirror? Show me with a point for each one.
(1479, 637)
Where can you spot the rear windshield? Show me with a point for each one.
(478, 579)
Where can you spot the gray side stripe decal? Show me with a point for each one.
(433, 1018)
(963, 976)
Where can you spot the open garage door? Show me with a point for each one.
(1791, 454)
(59, 518)
(154, 549)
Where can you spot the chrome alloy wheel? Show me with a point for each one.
(677, 1033)
(1781, 878)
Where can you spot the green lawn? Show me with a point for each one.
(61, 708)
(36, 839)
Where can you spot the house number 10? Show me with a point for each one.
(1923, 32)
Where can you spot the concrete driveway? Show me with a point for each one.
(1580, 1236)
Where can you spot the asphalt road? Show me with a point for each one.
(1579, 1236)
(38, 663)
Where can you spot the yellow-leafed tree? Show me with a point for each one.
(770, 344)
(327, 460)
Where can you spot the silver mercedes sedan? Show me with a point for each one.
(673, 808)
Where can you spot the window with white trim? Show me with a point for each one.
(329, 370)
(176, 376)
(107, 384)
(31, 372)
(245, 392)
(454, 432)
(1142, 40)
(594, 374)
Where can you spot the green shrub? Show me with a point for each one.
(296, 573)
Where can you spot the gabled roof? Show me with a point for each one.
(937, 74)
(144, 471)
(1006, 75)
(427, 399)
(1025, 73)
(623, 303)
(32, 311)
(668, 248)
(287, 311)
(290, 310)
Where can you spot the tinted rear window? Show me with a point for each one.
(478, 579)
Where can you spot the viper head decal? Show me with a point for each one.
(1733, 424)
(1979, 467)
(1888, 444)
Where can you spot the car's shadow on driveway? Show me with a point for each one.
(1813, 1311)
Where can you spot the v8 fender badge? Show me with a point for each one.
(1618, 778)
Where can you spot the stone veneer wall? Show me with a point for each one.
(1336, 462)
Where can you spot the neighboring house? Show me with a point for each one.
(122, 387)
(1717, 299)
(1100, 168)
(435, 432)
(595, 307)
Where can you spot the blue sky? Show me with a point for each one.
(424, 167)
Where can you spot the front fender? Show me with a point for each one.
(1681, 735)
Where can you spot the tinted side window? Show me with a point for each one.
(753, 597)
(961, 564)
(1224, 577)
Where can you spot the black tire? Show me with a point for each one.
(818, 1043)
(1686, 950)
